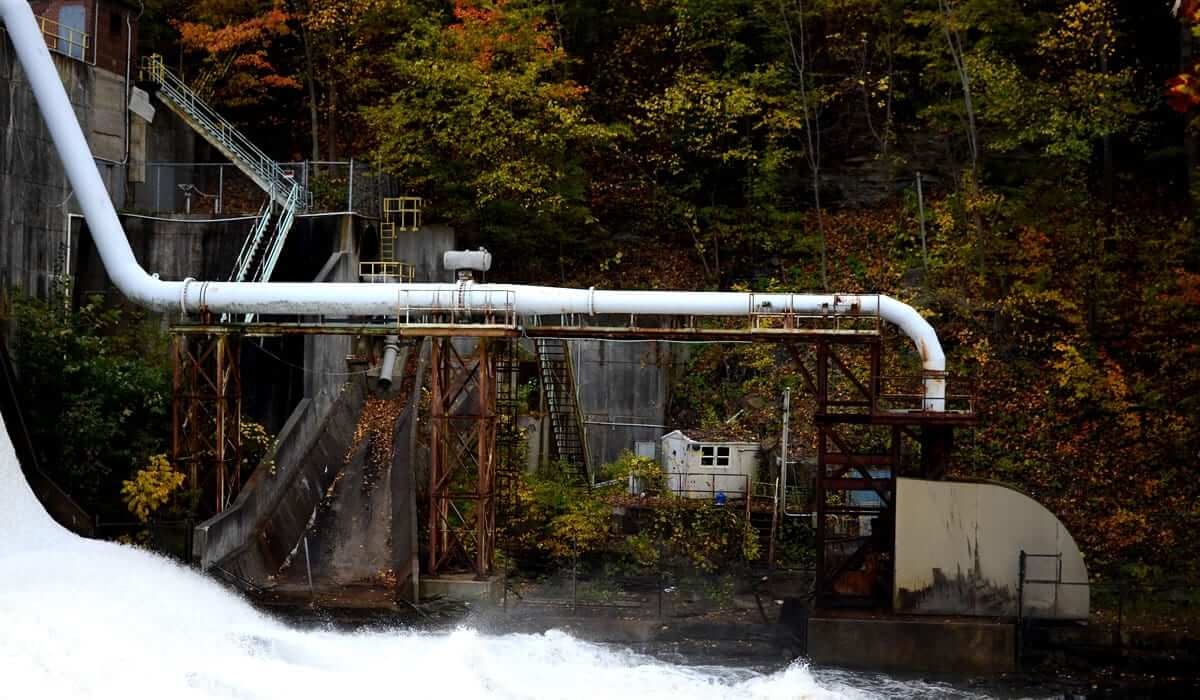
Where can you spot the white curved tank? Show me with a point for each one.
(958, 552)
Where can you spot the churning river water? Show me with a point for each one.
(89, 619)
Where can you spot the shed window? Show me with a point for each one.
(72, 30)
(714, 456)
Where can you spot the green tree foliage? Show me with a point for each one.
(645, 471)
(96, 395)
(481, 120)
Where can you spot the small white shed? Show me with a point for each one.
(706, 467)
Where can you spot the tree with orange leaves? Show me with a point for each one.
(238, 42)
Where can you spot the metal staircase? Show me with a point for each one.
(508, 434)
(562, 403)
(285, 196)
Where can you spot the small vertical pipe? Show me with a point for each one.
(774, 527)
(391, 348)
(876, 377)
(220, 187)
(350, 189)
(1020, 607)
(308, 570)
(783, 444)
(820, 510)
(222, 423)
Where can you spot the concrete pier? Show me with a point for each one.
(464, 587)
(958, 645)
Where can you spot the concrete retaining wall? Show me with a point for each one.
(934, 646)
(623, 391)
(423, 250)
(35, 200)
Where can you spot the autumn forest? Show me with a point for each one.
(1022, 171)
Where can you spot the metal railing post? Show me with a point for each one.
(1020, 609)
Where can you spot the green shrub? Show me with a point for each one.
(95, 394)
(648, 472)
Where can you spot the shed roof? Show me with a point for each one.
(711, 436)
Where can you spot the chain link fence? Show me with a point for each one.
(221, 189)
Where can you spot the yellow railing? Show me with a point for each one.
(403, 212)
(384, 271)
(153, 68)
(387, 240)
(65, 40)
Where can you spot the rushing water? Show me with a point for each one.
(89, 619)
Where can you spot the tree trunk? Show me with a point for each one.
(821, 229)
(954, 42)
(1096, 246)
(309, 72)
(798, 45)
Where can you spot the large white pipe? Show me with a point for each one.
(192, 296)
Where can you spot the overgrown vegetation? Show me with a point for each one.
(96, 395)
(559, 524)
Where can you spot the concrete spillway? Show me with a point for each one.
(329, 517)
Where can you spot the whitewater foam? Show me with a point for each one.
(89, 619)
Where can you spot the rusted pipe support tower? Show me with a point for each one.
(206, 415)
(462, 471)
(867, 428)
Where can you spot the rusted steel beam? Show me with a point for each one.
(802, 368)
(848, 374)
(851, 484)
(915, 418)
(858, 459)
(803, 335)
(437, 330)
(857, 510)
(481, 330)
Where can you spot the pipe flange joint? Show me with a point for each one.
(591, 301)
(183, 295)
(204, 297)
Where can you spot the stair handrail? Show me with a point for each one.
(550, 392)
(282, 227)
(154, 69)
(577, 411)
(242, 267)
